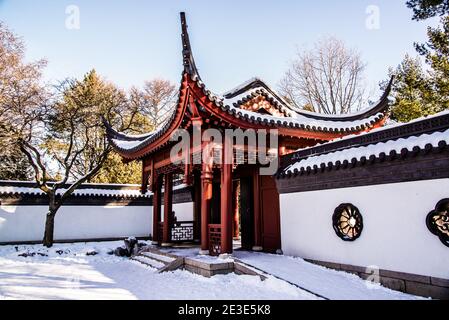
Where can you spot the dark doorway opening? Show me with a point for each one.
(243, 213)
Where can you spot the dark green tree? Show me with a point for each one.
(424, 9)
(412, 91)
(115, 171)
(436, 54)
(420, 91)
(14, 166)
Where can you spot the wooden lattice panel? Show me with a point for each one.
(214, 239)
(182, 231)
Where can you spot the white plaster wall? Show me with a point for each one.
(394, 237)
(183, 211)
(26, 223)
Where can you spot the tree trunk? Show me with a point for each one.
(49, 229)
(53, 206)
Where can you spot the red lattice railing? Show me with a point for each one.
(214, 239)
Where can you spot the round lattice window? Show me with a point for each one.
(348, 222)
(438, 221)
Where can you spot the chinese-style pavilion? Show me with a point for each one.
(252, 105)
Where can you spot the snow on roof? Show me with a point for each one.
(343, 116)
(297, 120)
(126, 145)
(409, 143)
(236, 100)
(231, 101)
(231, 105)
(386, 127)
(256, 85)
(241, 86)
(125, 141)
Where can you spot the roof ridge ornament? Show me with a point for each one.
(188, 60)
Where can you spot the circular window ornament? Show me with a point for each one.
(438, 221)
(347, 222)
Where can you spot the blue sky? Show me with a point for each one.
(129, 42)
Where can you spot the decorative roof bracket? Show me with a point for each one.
(188, 61)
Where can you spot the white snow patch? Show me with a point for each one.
(73, 275)
(150, 262)
(127, 145)
(158, 257)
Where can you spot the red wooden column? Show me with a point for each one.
(197, 206)
(236, 210)
(156, 209)
(257, 216)
(206, 185)
(226, 208)
(226, 211)
(168, 208)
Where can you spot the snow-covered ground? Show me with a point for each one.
(331, 284)
(327, 283)
(75, 275)
(66, 271)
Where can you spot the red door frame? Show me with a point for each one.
(269, 214)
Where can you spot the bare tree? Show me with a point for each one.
(68, 146)
(58, 192)
(21, 97)
(327, 79)
(60, 132)
(156, 100)
(46, 129)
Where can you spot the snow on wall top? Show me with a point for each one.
(126, 191)
(88, 189)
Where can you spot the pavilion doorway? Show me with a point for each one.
(243, 228)
(243, 214)
(252, 218)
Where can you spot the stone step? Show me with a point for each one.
(161, 261)
(205, 266)
(176, 264)
(161, 258)
(153, 263)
